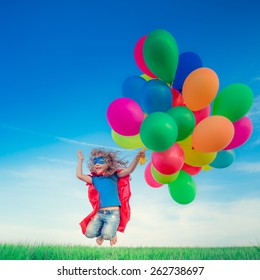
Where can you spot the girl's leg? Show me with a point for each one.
(94, 227)
(111, 222)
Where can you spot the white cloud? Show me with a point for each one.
(249, 167)
(254, 112)
(59, 138)
(82, 143)
(57, 160)
(198, 224)
(256, 79)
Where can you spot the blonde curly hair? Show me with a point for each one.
(112, 160)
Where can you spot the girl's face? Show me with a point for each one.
(100, 165)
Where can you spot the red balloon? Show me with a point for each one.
(139, 57)
(169, 161)
(177, 98)
(149, 177)
(201, 114)
(192, 170)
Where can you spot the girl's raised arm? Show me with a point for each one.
(79, 174)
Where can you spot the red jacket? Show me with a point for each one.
(124, 196)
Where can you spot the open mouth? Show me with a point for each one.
(98, 168)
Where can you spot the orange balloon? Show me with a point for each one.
(200, 88)
(212, 134)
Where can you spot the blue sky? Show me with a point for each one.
(61, 64)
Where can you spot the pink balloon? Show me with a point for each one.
(139, 57)
(192, 170)
(125, 116)
(169, 161)
(149, 177)
(243, 130)
(201, 114)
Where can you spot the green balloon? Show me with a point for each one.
(183, 189)
(127, 142)
(162, 178)
(233, 102)
(161, 54)
(185, 121)
(158, 131)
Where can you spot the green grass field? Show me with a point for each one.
(59, 252)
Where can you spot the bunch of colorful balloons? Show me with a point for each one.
(176, 110)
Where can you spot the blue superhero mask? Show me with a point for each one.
(99, 160)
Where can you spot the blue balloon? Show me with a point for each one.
(223, 159)
(188, 62)
(132, 86)
(156, 96)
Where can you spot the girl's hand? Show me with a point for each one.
(80, 155)
(141, 154)
(141, 157)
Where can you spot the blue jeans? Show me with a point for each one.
(104, 224)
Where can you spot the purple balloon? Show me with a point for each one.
(125, 116)
(243, 130)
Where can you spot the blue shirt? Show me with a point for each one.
(108, 190)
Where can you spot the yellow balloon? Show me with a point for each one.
(162, 178)
(197, 158)
(187, 142)
(146, 77)
(194, 157)
(127, 142)
(206, 167)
